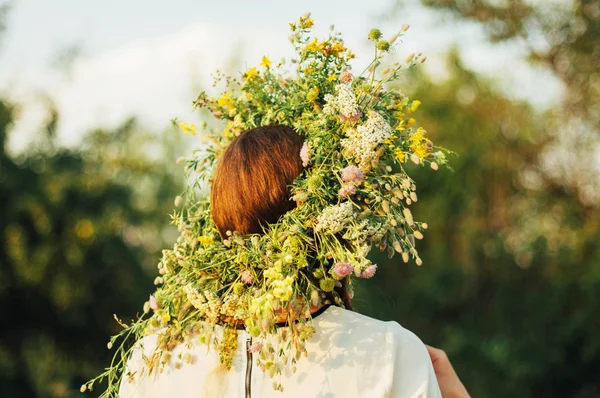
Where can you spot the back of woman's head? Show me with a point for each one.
(251, 184)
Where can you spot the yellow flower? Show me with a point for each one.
(414, 106)
(166, 318)
(410, 122)
(266, 62)
(400, 155)
(350, 54)
(401, 125)
(313, 94)
(332, 78)
(205, 240)
(188, 129)
(339, 47)
(315, 45)
(306, 22)
(252, 72)
(418, 135)
(226, 100)
(420, 144)
(421, 150)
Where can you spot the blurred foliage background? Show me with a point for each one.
(510, 285)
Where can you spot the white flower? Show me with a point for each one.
(362, 141)
(335, 218)
(343, 103)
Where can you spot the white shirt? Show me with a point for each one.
(350, 355)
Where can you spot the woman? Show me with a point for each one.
(349, 355)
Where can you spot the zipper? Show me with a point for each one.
(248, 368)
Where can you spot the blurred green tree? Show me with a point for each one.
(510, 285)
(563, 36)
(81, 231)
(512, 276)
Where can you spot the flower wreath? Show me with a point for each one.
(354, 194)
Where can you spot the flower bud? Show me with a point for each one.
(177, 201)
(383, 45)
(374, 34)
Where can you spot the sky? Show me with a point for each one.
(102, 61)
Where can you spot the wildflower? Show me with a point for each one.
(343, 103)
(315, 46)
(205, 240)
(383, 45)
(331, 77)
(282, 289)
(352, 174)
(188, 129)
(226, 100)
(414, 106)
(262, 305)
(254, 348)
(374, 34)
(408, 216)
(265, 62)
(418, 235)
(153, 303)
(313, 94)
(354, 118)
(347, 190)
(369, 272)
(300, 197)
(304, 154)
(335, 218)
(327, 284)
(274, 272)
(342, 270)
(306, 22)
(415, 158)
(346, 77)
(247, 277)
(250, 73)
(363, 140)
(400, 155)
